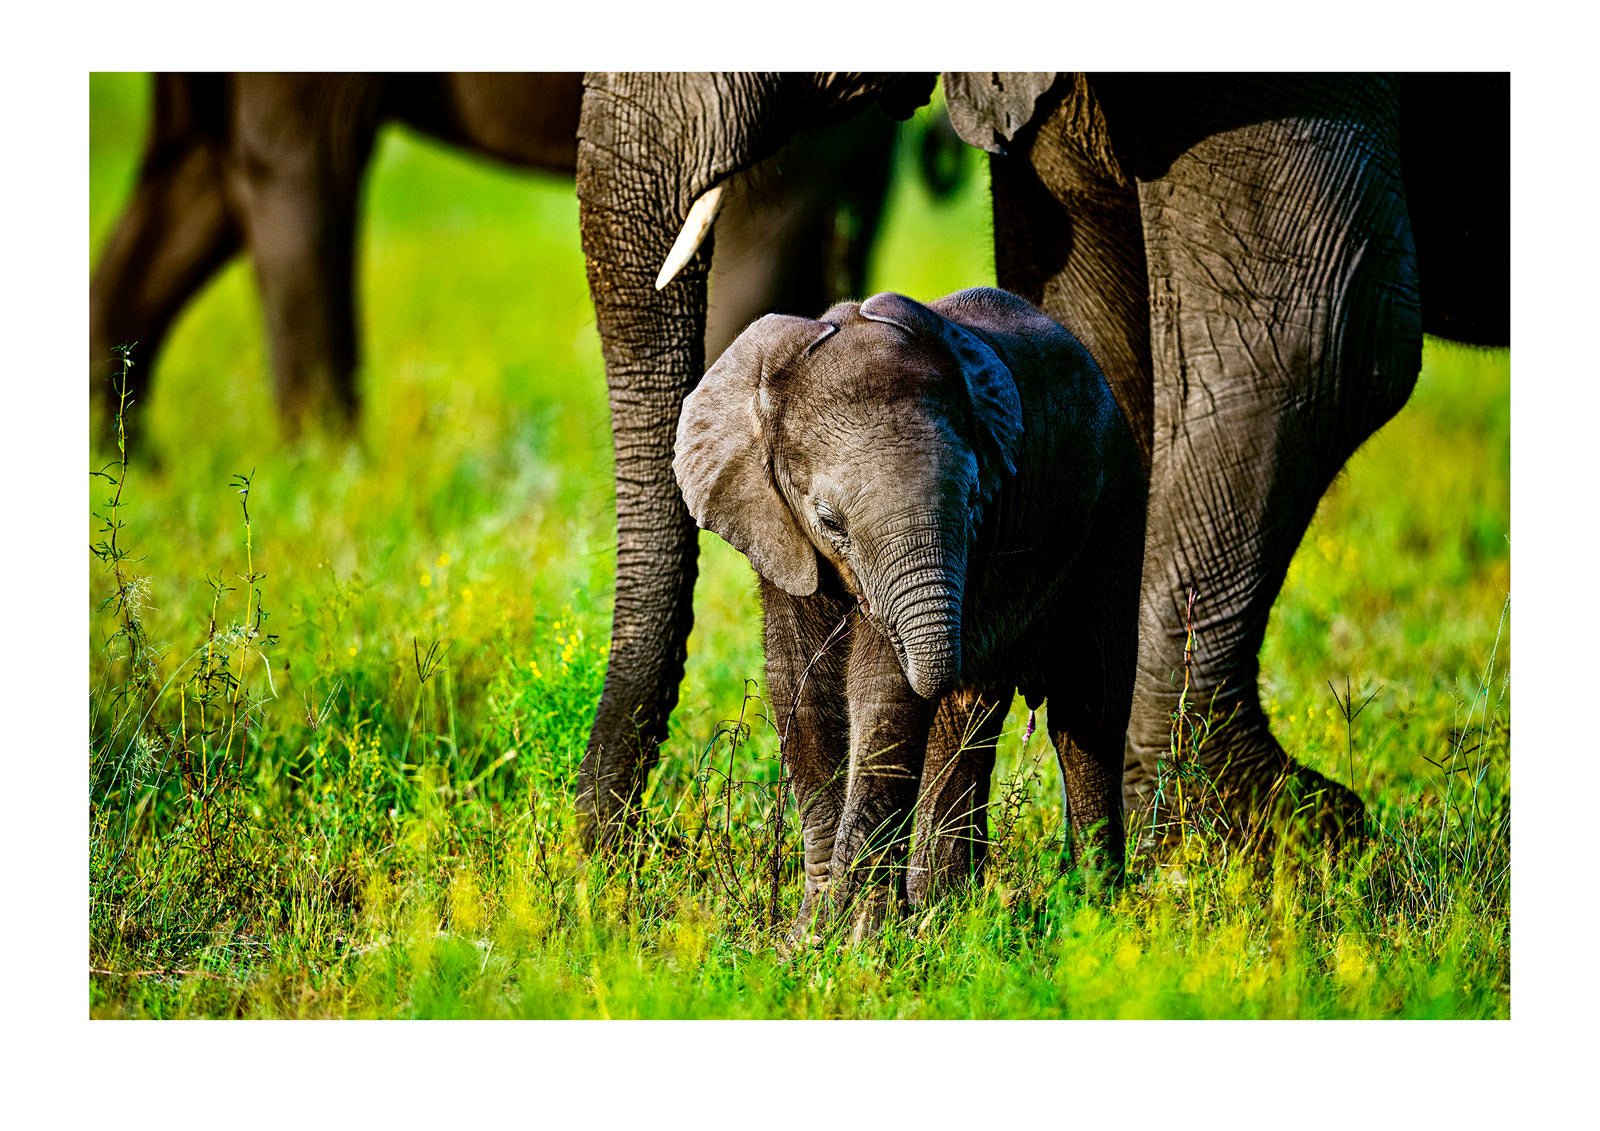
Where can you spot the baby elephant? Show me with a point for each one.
(958, 473)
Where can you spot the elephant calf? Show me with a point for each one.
(959, 473)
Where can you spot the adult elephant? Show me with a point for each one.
(272, 164)
(1237, 254)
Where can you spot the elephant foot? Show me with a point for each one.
(869, 911)
(607, 804)
(920, 888)
(1295, 805)
(952, 863)
(925, 874)
(805, 932)
(857, 916)
(1310, 809)
(1095, 870)
(602, 827)
(600, 832)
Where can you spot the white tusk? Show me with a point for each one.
(701, 217)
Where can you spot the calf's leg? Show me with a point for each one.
(807, 647)
(888, 739)
(952, 822)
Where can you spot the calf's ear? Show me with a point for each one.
(991, 390)
(723, 456)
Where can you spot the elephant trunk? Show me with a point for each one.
(921, 613)
(929, 646)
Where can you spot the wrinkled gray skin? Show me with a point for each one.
(1240, 256)
(272, 164)
(961, 471)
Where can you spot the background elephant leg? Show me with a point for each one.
(794, 232)
(806, 692)
(888, 739)
(855, 170)
(1285, 330)
(174, 235)
(952, 824)
(301, 144)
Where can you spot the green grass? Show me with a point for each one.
(367, 834)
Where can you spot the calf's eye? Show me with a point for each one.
(830, 522)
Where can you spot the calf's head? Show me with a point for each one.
(867, 442)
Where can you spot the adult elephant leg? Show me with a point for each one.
(1067, 237)
(808, 644)
(301, 145)
(653, 611)
(173, 236)
(1285, 330)
(951, 841)
(654, 349)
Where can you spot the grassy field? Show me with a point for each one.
(341, 788)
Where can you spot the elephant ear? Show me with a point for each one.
(723, 457)
(991, 389)
(989, 108)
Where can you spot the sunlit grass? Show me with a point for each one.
(404, 843)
